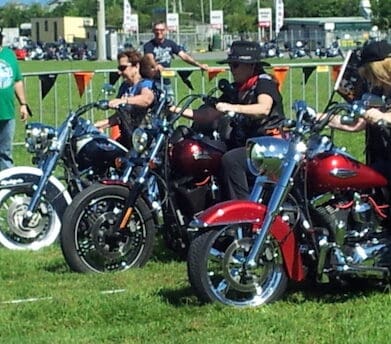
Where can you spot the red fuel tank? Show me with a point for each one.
(327, 172)
(196, 158)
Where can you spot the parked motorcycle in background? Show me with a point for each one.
(300, 49)
(33, 199)
(334, 50)
(170, 176)
(315, 213)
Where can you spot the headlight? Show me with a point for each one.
(140, 140)
(265, 155)
(39, 137)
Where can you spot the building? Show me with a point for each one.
(325, 30)
(72, 29)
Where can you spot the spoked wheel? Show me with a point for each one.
(217, 271)
(16, 233)
(89, 239)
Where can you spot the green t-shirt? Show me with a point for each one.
(9, 74)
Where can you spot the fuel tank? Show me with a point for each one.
(336, 171)
(197, 157)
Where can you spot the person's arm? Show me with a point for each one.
(261, 108)
(190, 60)
(335, 123)
(144, 99)
(376, 116)
(202, 115)
(21, 96)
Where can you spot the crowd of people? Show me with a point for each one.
(255, 99)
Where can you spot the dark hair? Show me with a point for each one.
(161, 22)
(134, 57)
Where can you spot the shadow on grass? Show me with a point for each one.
(334, 292)
(295, 294)
(179, 297)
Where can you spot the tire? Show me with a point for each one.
(217, 273)
(41, 231)
(87, 241)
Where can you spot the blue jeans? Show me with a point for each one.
(7, 132)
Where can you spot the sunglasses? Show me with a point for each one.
(121, 68)
(234, 65)
(159, 30)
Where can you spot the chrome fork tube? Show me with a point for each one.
(280, 191)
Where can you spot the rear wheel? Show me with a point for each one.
(217, 271)
(91, 243)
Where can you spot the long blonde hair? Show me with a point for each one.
(378, 74)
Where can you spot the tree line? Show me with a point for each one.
(239, 16)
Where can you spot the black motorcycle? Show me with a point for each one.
(171, 175)
(33, 199)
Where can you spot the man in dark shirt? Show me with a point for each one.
(163, 50)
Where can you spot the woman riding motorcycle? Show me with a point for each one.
(255, 99)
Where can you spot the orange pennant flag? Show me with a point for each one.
(335, 72)
(82, 80)
(280, 74)
(212, 72)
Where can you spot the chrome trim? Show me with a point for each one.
(343, 173)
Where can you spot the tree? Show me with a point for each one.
(382, 14)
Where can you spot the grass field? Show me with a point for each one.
(41, 301)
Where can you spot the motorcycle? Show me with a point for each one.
(315, 213)
(299, 50)
(333, 50)
(113, 224)
(33, 199)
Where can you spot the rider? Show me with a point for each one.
(137, 89)
(375, 69)
(255, 99)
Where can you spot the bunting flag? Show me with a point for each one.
(335, 72)
(47, 82)
(212, 72)
(307, 71)
(82, 80)
(184, 74)
(280, 74)
(113, 77)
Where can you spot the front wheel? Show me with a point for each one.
(41, 230)
(90, 240)
(217, 271)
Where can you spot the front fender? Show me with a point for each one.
(21, 176)
(243, 211)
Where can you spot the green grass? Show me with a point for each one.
(156, 305)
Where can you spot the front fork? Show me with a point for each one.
(47, 168)
(280, 191)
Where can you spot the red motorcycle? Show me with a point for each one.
(314, 212)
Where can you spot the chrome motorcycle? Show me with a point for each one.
(315, 213)
(171, 174)
(33, 199)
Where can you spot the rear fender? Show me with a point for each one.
(242, 211)
(22, 176)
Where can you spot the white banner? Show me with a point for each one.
(173, 22)
(216, 19)
(133, 23)
(264, 17)
(279, 7)
(126, 23)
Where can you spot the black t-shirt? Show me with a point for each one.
(244, 127)
(163, 52)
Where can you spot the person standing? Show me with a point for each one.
(11, 84)
(163, 50)
(375, 69)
